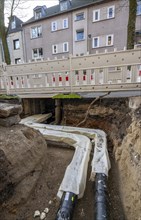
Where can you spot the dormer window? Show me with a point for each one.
(38, 14)
(64, 5)
(13, 24)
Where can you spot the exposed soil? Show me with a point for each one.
(36, 189)
(47, 187)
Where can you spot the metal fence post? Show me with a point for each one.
(70, 59)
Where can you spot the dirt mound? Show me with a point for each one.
(22, 154)
(128, 156)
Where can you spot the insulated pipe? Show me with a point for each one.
(101, 210)
(100, 162)
(100, 165)
(67, 206)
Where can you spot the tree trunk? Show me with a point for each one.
(131, 24)
(3, 33)
(5, 48)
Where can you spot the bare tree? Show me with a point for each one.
(131, 24)
(11, 6)
(3, 33)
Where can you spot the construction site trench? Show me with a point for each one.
(32, 169)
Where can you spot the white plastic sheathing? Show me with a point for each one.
(100, 162)
(76, 173)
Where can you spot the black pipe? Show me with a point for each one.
(101, 197)
(66, 208)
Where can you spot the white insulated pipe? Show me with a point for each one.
(76, 173)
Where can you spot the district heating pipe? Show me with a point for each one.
(100, 168)
(67, 206)
(100, 203)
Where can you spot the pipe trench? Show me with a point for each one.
(74, 181)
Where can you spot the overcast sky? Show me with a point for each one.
(27, 8)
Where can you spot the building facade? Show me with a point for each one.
(15, 41)
(74, 27)
(1, 53)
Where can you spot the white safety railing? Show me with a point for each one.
(100, 72)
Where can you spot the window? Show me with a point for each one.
(16, 44)
(79, 16)
(111, 12)
(103, 41)
(96, 15)
(65, 47)
(138, 37)
(18, 60)
(63, 6)
(95, 42)
(13, 24)
(38, 14)
(54, 49)
(36, 32)
(54, 26)
(139, 7)
(65, 23)
(37, 53)
(109, 40)
(80, 35)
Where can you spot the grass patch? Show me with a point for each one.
(67, 96)
(8, 97)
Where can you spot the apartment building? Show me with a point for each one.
(78, 27)
(15, 41)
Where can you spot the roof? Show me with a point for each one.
(18, 25)
(39, 7)
(55, 10)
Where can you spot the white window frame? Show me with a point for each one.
(65, 43)
(53, 49)
(38, 56)
(16, 44)
(94, 15)
(65, 26)
(54, 24)
(108, 10)
(139, 7)
(13, 24)
(112, 40)
(78, 31)
(38, 14)
(98, 38)
(63, 6)
(77, 18)
(38, 34)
